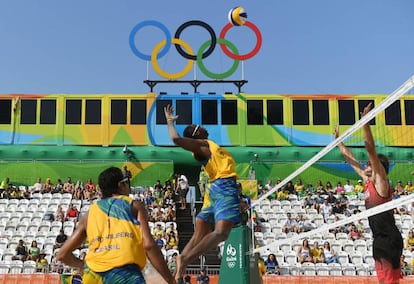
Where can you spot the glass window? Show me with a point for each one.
(138, 112)
(320, 112)
(119, 112)
(93, 112)
(48, 112)
(28, 112)
(300, 112)
(362, 104)
(160, 110)
(73, 111)
(393, 114)
(5, 111)
(184, 111)
(275, 112)
(346, 109)
(255, 112)
(209, 112)
(409, 113)
(229, 112)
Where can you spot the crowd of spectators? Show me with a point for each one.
(309, 207)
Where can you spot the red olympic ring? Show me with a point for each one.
(246, 56)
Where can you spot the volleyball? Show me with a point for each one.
(237, 16)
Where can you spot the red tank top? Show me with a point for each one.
(372, 198)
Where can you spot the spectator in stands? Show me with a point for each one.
(290, 224)
(6, 193)
(56, 266)
(405, 268)
(329, 254)
(337, 209)
(349, 188)
(169, 200)
(42, 263)
(47, 186)
(320, 187)
(290, 188)
(331, 197)
(339, 189)
(282, 194)
(328, 187)
(78, 193)
(172, 263)
(158, 230)
(271, 264)
(202, 182)
(187, 279)
(183, 190)
(319, 199)
(16, 193)
(102, 228)
(127, 174)
(359, 189)
(60, 239)
(38, 186)
(203, 277)
(310, 189)
(171, 241)
(26, 193)
(169, 214)
(4, 184)
(344, 201)
(299, 188)
(399, 188)
(159, 240)
(409, 187)
(354, 234)
(171, 228)
(58, 187)
(308, 202)
(68, 186)
(21, 251)
(317, 253)
(149, 199)
(90, 190)
(158, 213)
(304, 252)
(72, 213)
(409, 241)
(34, 251)
(325, 209)
(59, 214)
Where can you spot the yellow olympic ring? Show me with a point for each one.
(167, 75)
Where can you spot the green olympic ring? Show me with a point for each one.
(210, 74)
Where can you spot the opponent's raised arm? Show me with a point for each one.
(348, 155)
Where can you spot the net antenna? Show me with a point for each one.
(403, 89)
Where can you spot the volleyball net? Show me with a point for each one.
(390, 99)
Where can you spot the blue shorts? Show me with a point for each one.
(221, 202)
(127, 274)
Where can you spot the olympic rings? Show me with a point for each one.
(201, 24)
(185, 50)
(206, 72)
(247, 55)
(140, 26)
(164, 74)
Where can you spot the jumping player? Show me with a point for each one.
(388, 242)
(221, 207)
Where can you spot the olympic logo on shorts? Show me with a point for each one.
(185, 50)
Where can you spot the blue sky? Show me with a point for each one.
(318, 46)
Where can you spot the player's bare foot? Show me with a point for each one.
(179, 269)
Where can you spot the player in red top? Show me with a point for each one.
(388, 243)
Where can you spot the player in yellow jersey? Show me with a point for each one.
(221, 207)
(118, 235)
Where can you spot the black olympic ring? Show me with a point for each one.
(196, 23)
